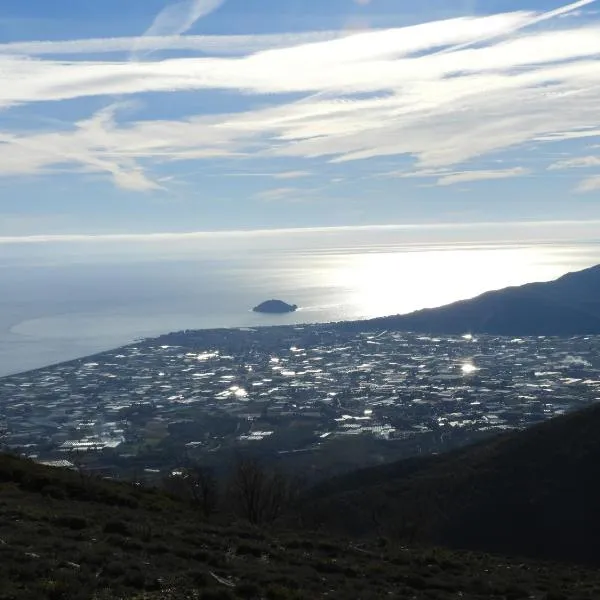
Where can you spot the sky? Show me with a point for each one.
(150, 116)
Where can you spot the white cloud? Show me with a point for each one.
(27, 155)
(371, 94)
(574, 163)
(348, 65)
(209, 44)
(308, 68)
(420, 174)
(467, 176)
(276, 194)
(591, 184)
(292, 174)
(576, 134)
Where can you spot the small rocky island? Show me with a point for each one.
(275, 307)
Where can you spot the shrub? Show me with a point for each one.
(247, 549)
(277, 592)
(75, 523)
(135, 579)
(117, 527)
(158, 549)
(199, 578)
(114, 570)
(217, 594)
(248, 591)
(53, 491)
(55, 590)
(201, 556)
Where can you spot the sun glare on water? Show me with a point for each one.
(385, 283)
(468, 368)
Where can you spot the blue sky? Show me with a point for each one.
(200, 115)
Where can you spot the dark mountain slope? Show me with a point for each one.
(533, 493)
(568, 306)
(66, 536)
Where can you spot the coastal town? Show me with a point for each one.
(304, 395)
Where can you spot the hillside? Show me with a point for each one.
(568, 306)
(532, 493)
(66, 536)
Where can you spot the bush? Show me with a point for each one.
(246, 549)
(75, 523)
(248, 591)
(158, 549)
(277, 592)
(217, 594)
(114, 570)
(134, 579)
(55, 590)
(199, 578)
(53, 491)
(201, 556)
(117, 527)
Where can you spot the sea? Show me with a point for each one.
(72, 296)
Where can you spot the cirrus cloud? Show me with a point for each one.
(575, 163)
(443, 93)
(472, 176)
(591, 184)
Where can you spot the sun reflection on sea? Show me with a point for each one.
(468, 368)
(94, 301)
(383, 283)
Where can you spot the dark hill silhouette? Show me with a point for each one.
(569, 305)
(533, 493)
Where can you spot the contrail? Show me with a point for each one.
(173, 20)
(176, 19)
(558, 12)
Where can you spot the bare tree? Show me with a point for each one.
(76, 457)
(260, 495)
(3, 437)
(203, 489)
(248, 487)
(138, 477)
(197, 485)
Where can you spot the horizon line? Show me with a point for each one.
(169, 235)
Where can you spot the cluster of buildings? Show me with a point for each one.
(289, 390)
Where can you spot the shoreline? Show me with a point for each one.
(156, 338)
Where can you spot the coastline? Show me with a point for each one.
(104, 348)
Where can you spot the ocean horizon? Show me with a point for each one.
(67, 300)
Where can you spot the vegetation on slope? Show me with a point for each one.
(68, 536)
(532, 493)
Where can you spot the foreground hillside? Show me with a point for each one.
(533, 493)
(64, 536)
(568, 306)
